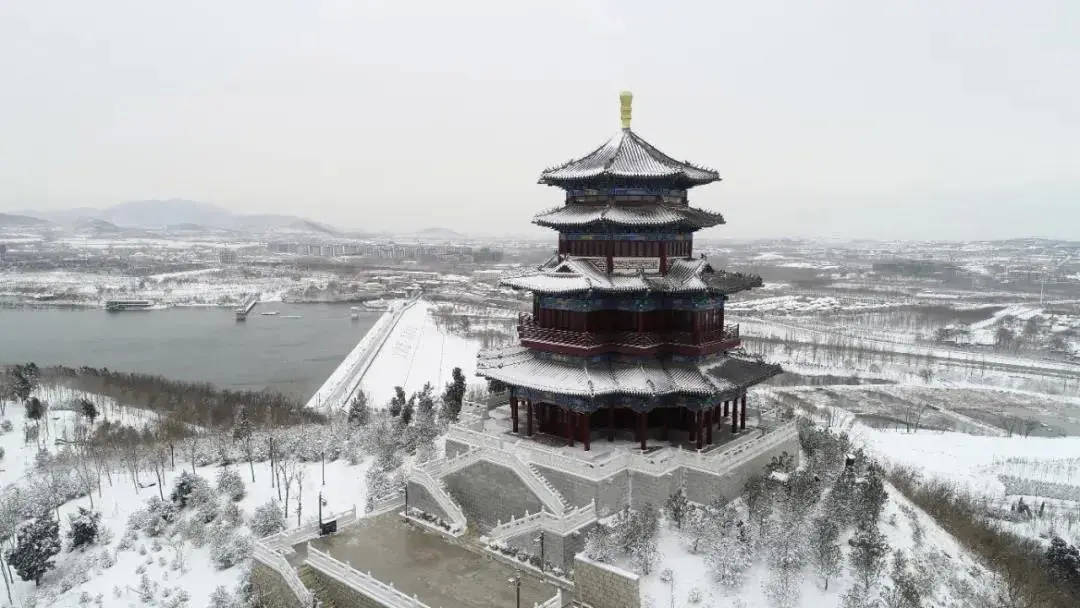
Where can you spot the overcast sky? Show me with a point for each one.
(938, 119)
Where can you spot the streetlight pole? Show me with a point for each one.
(540, 538)
(516, 582)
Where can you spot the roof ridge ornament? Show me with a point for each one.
(626, 98)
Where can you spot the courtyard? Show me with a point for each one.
(440, 573)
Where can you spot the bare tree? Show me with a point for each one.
(299, 472)
(912, 413)
(179, 546)
(191, 442)
(287, 468)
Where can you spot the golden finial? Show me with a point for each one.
(625, 99)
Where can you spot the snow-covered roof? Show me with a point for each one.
(574, 215)
(720, 376)
(627, 157)
(572, 275)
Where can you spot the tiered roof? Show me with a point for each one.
(576, 275)
(721, 377)
(627, 158)
(655, 215)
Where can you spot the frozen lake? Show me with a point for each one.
(290, 355)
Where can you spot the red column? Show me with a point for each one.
(513, 412)
(708, 426)
(698, 417)
(610, 256)
(696, 317)
(735, 416)
(693, 426)
(742, 415)
(667, 422)
(568, 422)
(725, 409)
(663, 257)
(586, 432)
(641, 429)
(529, 417)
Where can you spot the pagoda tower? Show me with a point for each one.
(627, 335)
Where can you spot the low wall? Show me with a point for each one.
(558, 550)
(604, 586)
(270, 588)
(336, 593)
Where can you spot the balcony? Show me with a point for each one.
(572, 342)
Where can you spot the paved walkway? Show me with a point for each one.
(440, 573)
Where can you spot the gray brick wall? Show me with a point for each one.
(453, 448)
(420, 498)
(610, 493)
(489, 493)
(603, 586)
(271, 589)
(558, 550)
(704, 487)
(649, 489)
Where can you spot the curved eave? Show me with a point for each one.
(677, 179)
(653, 216)
(627, 158)
(720, 378)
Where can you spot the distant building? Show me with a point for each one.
(228, 256)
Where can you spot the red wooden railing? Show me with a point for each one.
(632, 342)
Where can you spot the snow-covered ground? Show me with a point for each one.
(85, 572)
(934, 548)
(418, 351)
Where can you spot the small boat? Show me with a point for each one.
(119, 305)
(354, 312)
(269, 313)
(292, 316)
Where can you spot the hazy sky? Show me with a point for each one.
(937, 119)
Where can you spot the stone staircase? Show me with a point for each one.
(441, 495)
(552, 499)
(540, 476)
(316, 586)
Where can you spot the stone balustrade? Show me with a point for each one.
(362, 582)
(265, 555)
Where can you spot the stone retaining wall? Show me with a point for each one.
(489, 493)
(271, 588)
(604, 586)
(453, 448)
(702, 487)
(420, 498)
(611, 493)
(558, 550)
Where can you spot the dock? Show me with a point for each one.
(249, 305)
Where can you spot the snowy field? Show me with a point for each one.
(989, 461)
(418, 351)
(931, 547)
(114, 574)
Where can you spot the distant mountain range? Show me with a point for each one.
(170, 214)
(11, 220)
(439, 233)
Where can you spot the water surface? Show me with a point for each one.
(290, 355)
